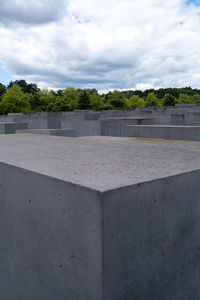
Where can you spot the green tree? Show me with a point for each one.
(15, 101)
(136, 101)
(196, 98)
(96, 102)
(2, 90)
(84, 100)
(152, 100)
(30, 88)
(116, 100)
(41, 100)
(68, 100)
(184, 99)
(168, 100)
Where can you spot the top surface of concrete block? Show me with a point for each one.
(128, 118)
(164, 126)
(100, 163)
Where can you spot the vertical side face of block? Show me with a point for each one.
(2, 128)
(50, 238)
(151, 240)
(111, 127)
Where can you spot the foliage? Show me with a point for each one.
(30, 88)
(152, 100)
(20, 96)
(15, 101)
(196, 98)
(96, 102)
(41, 100)
(2, 90)
(116, 100)
(136, 101)
(183, 98)
(168, 100)
(66, 102)
(84, 100)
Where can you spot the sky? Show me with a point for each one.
(103, 44)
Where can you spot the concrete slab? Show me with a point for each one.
(99, 218)
(11, 127)
(56, 132)
(112, 126)
(188, 133)
(130, 160)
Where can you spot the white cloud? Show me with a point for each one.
(103, 44)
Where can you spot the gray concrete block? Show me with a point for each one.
(9, 128)
(92, 116)
(189, 133)
(51, 239)
(55, 132)
(112, 126)
(178, 119)
(99, 218)
(151, 244)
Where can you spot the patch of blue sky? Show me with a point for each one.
(5, 78)
(79, 20)
(195, 2)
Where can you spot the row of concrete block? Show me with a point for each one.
(108, 123)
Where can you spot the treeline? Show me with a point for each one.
(19, 96)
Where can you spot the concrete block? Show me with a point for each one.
(99, 218)
(178, 119)
(189, 133)
(55, 132)
(112, 126)
(9, 128)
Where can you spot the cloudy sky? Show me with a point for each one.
(103, 44)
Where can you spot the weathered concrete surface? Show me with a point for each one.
(9, 128)
(188, 133)
(89, 123)
(112, 126)
(50, 238)
(99, 218)
(86, 123)
(56, 132)
(130, 160)
(151, 240)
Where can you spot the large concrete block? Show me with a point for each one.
(188, 133)
(151, 244)
(99, 218)
(50, 236)
(9, 128)
(55, 132)
(112, 126)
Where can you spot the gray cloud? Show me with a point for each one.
(31, 12)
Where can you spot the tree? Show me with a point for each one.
(152, 100)
(96, 102)
(15, 101)
(68, 100)
(41, 100)
(136, 101)
(196, 98)
(30, 88)
(2, 89)
(116, 100)
(168, 100)
(84, 100)
(183, 98)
